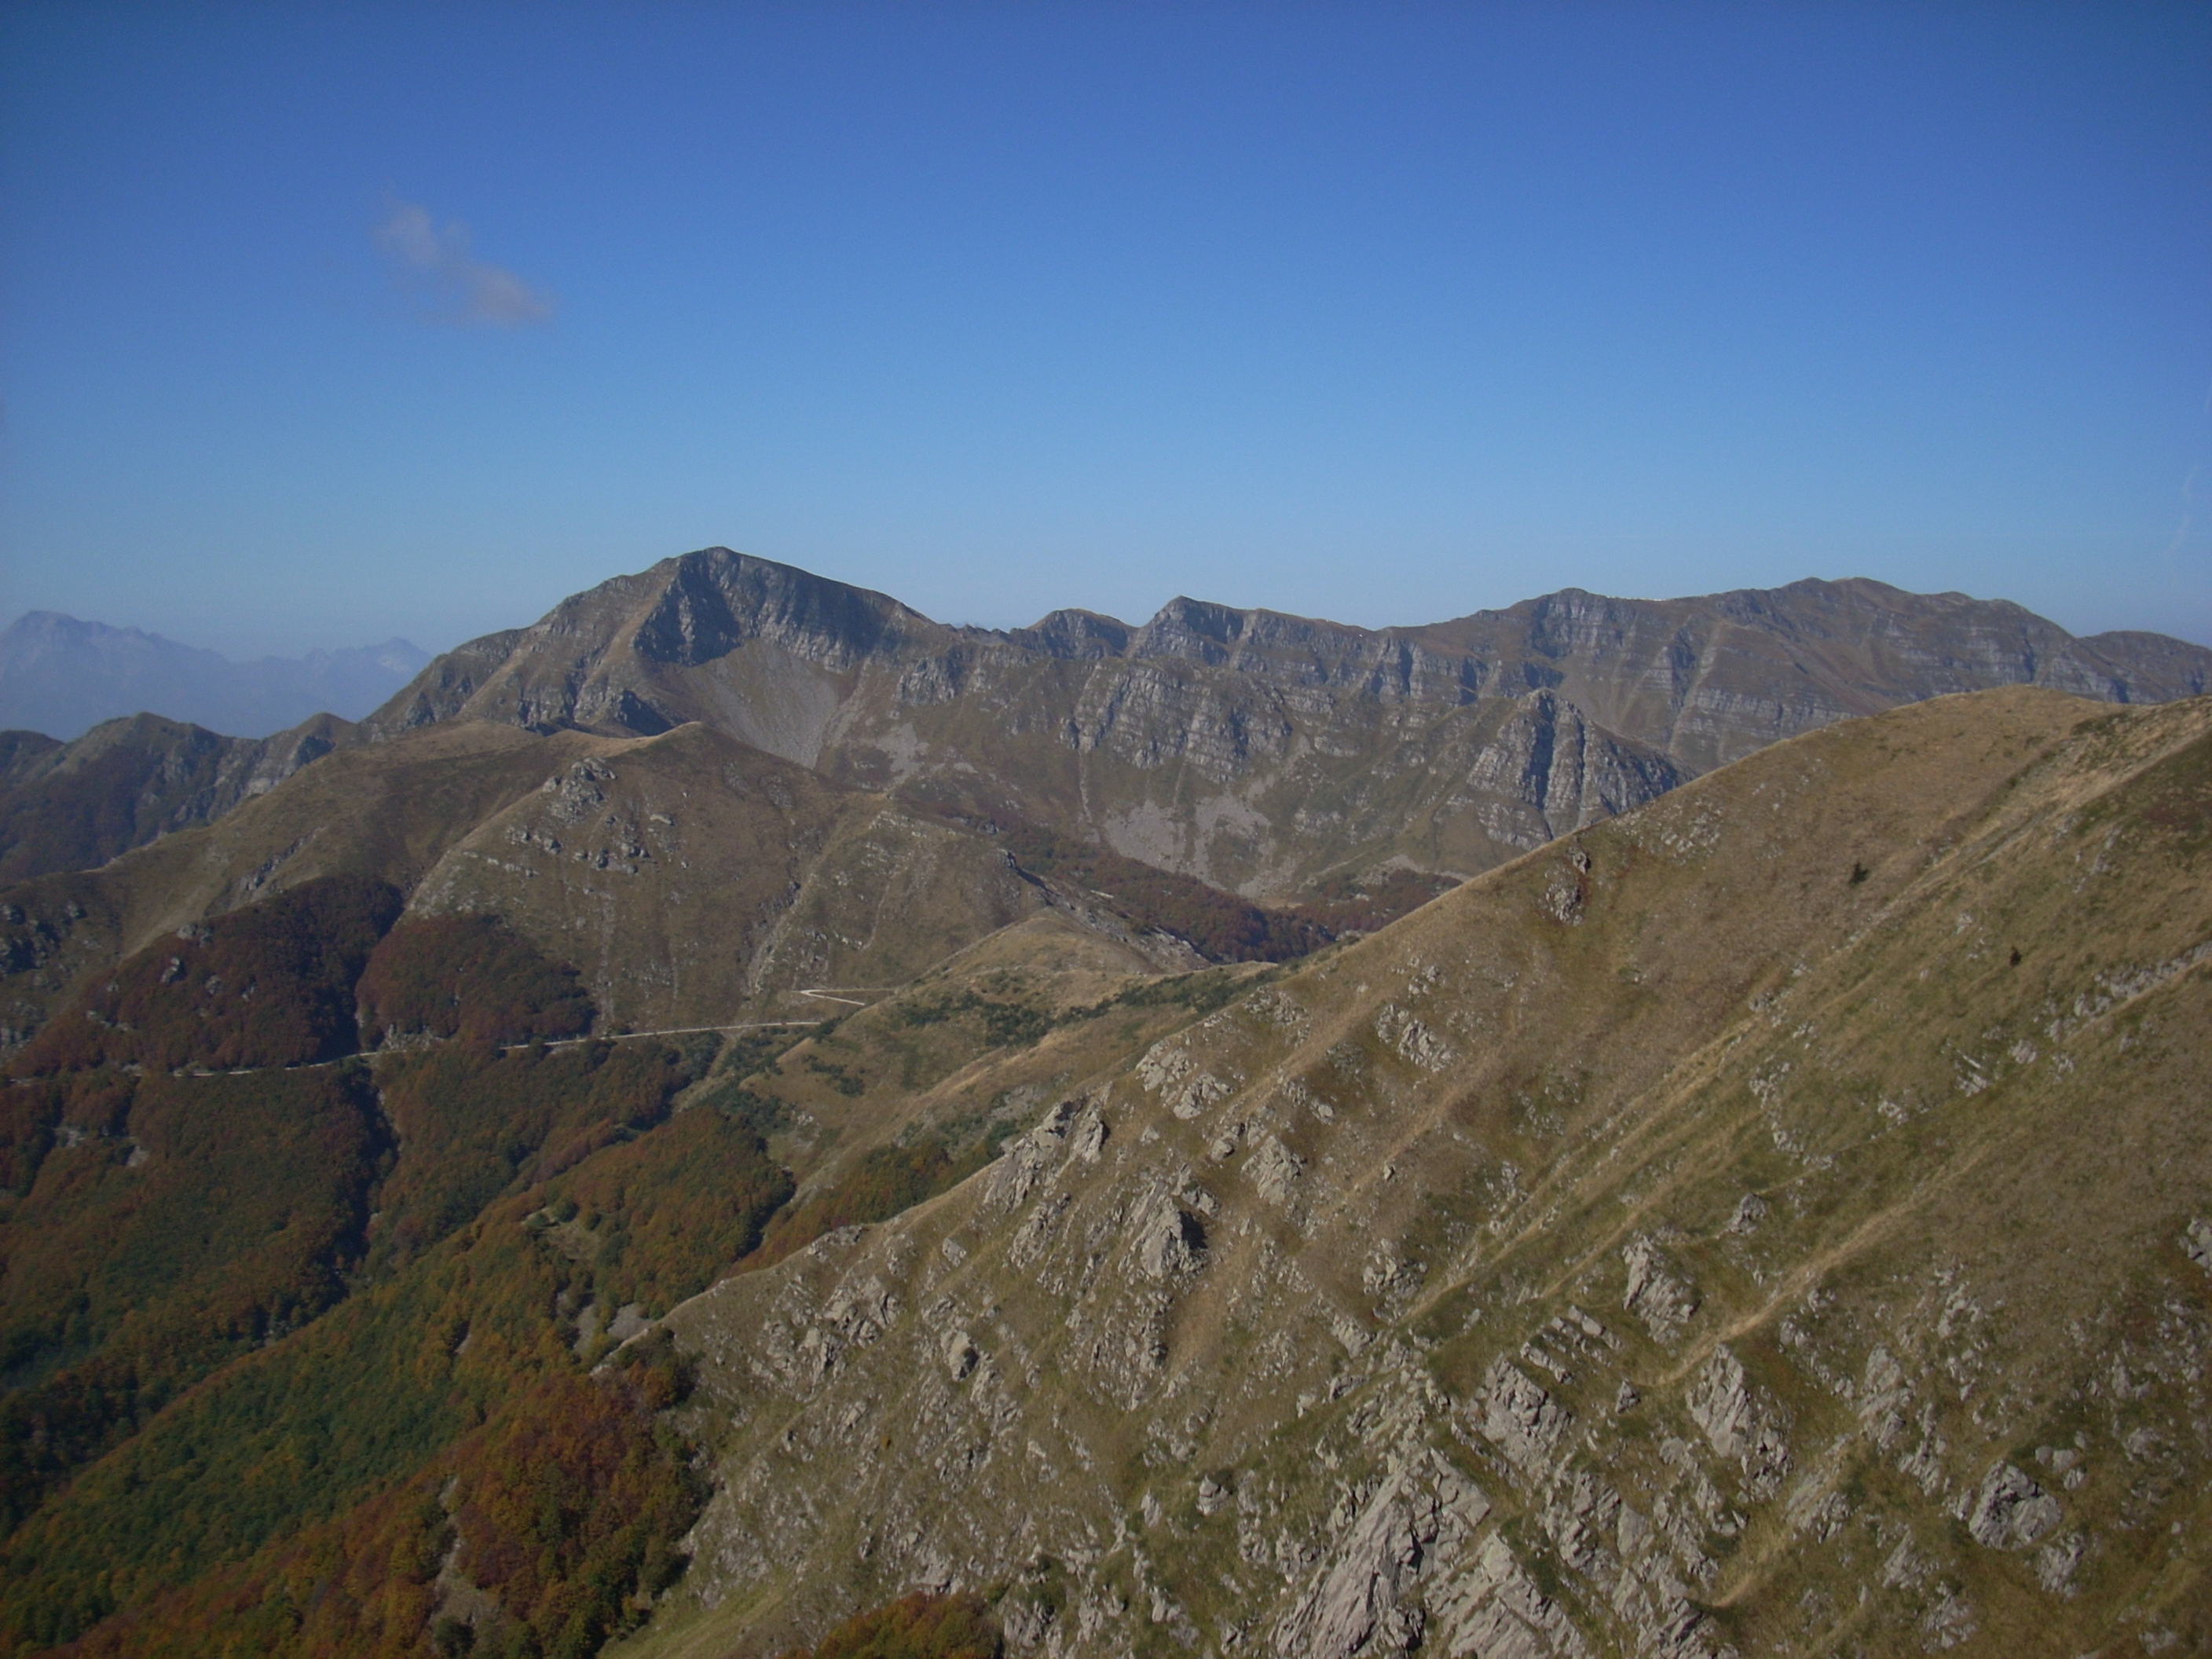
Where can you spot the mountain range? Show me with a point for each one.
(61, 677)
(1268, 754)
(1285, 759)
(1607, 1127)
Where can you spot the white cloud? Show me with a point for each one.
(454, 285)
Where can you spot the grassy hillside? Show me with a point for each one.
(127, 783)
(690, 880)
(1778, 1219)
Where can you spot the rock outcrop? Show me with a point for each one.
(1316, 1361)
(1262, 752)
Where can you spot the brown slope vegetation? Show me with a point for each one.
(1775, 1220)
(470, 977)
(1257, 751)
(385, 813)
(165, 1445)
(171, 1224)
(921, 1625)
(270, 985)
(455, 1369)
(695, 880)
(162, 1213)
(543, 1531)
(691, 879)
(159, 1232)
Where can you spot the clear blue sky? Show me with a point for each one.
(323, 322)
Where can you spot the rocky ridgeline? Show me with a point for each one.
(1259, 751)
(1775, 1221)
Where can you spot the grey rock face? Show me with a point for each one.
(1739, 1425)
(1654, 1293)
(2197, 1243)
(2010, 1511)
(1498, 1609)
(1274, 1170)
(1170, 1241)
(1339, 1614)
(1253, 750)
(1520, 1418)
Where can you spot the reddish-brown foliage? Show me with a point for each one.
(670, 1211)
(289, 1501)
(917, 1626)
(476, 1124)
(566, 1508)
(473, 977)
(1364, 906)
(192, 1219)
(1219, 926)
(569, 1508)
(270, 985)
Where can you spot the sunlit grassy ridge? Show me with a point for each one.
(1776, 1220)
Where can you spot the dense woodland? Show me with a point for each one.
(268, 985)
(284, 1324)
(414, 984)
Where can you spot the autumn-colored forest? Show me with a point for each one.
(312, 1222)
(290, 1328)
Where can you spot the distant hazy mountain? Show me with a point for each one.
(62, 676)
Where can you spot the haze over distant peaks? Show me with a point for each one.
(61, 676)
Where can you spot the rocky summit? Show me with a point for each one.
(1261, 752)
(738, 1119)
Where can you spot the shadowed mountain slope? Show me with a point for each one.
(1775, 1220)
(1262, 752)
(74, 805)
